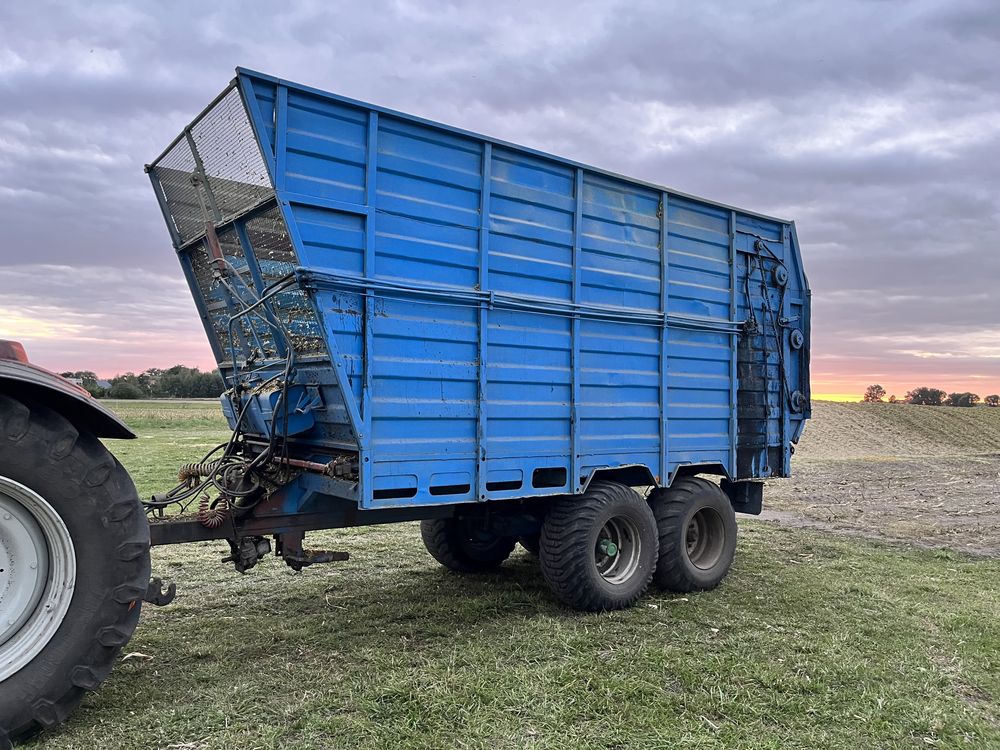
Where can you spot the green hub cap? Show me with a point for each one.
(617, 551)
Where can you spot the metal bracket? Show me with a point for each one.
(157, 596)
(289, 547)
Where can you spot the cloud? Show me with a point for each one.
(875, 127)
(100, 318)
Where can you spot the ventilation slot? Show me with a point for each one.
(508, 486)
(396, 493)
(553, 476)
(451, 489)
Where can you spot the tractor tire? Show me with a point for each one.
(697, 528)
(598, 550)
(68, 507)
(460, 546)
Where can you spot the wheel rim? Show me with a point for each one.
(617, 551)
(705, 538)
(37, 574)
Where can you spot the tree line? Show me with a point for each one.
(175, 382)
(925, 396)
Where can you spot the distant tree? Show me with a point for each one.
(95, 389)
(925, 396)
(187, 382)
(125, 389)
(892, 399)
(84, 375)
(962, 399)
(88, 379)
(874, 394)
(992, 400)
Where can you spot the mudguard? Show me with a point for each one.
(77, 405)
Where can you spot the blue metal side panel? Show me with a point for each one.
(322, 238)
(531, 226)
(529, 380)
(699, 362)
(619, 365)
(504, 322)
(426, 228)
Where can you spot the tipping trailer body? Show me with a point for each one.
(472, 320)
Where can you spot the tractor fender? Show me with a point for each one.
(21, 379)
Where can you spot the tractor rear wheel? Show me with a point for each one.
(598, 550)
(464, 546)
(74, 565)
(697, 529)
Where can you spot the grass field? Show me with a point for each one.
(814, 641)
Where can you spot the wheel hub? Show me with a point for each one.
(24, 558)
(704, 538)
(37, 574)
(617, 551)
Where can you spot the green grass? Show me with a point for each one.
(814, 641)
(170, 433)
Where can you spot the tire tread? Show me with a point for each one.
(566, 556)
(670, 506)
(81, 459)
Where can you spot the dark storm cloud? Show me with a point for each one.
(875, 125)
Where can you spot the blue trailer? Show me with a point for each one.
(415, 322)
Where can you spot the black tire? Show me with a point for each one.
(571, 556)
(463, 546)
(697, 529)
(96, 500)
(531, 543)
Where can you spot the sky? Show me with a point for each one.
(874, 125)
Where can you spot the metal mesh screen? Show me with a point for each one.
(183, 199)
(252, 332)
(211, 293)
(254, 328)
(224, 177)
(231, 157)
(276, 257)
(235, 177)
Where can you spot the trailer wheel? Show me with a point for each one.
(74, 565)
(697, 528)
(463, 546)
(598, 550)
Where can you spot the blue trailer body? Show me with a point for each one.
(473, 320)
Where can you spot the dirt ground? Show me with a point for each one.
(924, 475)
